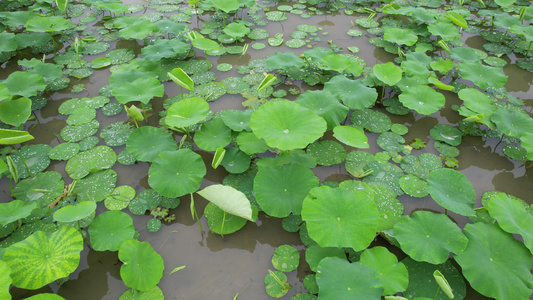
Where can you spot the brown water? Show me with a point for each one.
(220, 268)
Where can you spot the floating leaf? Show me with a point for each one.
(327, 153)
(511, 122)
(142, 89)
(447, 134)
(324, 104)
(10, 137)
(98, 158)
(120, 198)
(482, 76)
(353, 93)
(422, 99)
(187, 112)
(96, 186)
(392, 274)
(145, 143)
(400, 36)
(235, 161)
(389, 73)
(452, 190)
(314, 254)
(212, 135)
(15, 112)
(110, 229)
(351, 136)
(276, 284)
(24, 84)
(71, 213)
(142, 268)
(286, 258)
(15, 210)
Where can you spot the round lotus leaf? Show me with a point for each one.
(15, 210)
(80, 72)
(224, 67)
(295, 43)
(353, 93)
(235, 85)
(35, 157)
(286, 125)
(482, 76)
(77, 133)
(445, 30)
(351, 136)
(125, 158)
(236, 161)
(389, 207)
(145, 143)
(276, 16)
(212, 135)
(389, 73)
(95, 48)
(120, 56)
(100, 63)
(422, 99)
(98, 158)
(399, 129)
(68, 107)
(50, 255)
(413, 186)
(24, 84)
(447, 134)
(373, 121)
(495, 61)
(314, 254)
(284, 61)
(112, 108)
(411, 165)
(142, 89)
(154, 225)
(356, 162)
(512, 217)
(286, 258)
(385, 174)
(88, 143)
(326, 105)
(445, 149)
(291, 223)
(452, 190)
(392, 274)
(96, 186)
(339, 279)
(146, 200)
(32, 189)
(429, 237)
(337, 217)
(64, 151)
(250, 144)
(15, 112)
(187, 112)
(276, 284)
(237, 120)
(327, 153)
(395, 107)
(176, 173)
(400, 36)
(143, 266)
(506, 262)
(511, 122)
(116, 134)
(257, 34)
(310, 284)
(421, 282)
(515, 152)
(120, 197)
(390, 141)
(71, 213)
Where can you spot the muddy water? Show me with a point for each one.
(220, 268)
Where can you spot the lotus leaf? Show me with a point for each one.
(98, 158)
(229, 200)
(324, 104)
(35, 158)
(422, 99)
(281, 190)
(429, 237)
(353, 93)
(120, 198)
(340, 218)
(5, 280)
(135, 28)
(153, 294)
(77, 133)
(373, 121)
(389, 207)
(68, 107)
(116, 134)
(15, 112)
(447, 134)
(48, 24)
(14, 210)
(146, 142)
(356, 162)
(44, 188)
(164, 48)
(286, 258)
(512, 217)
(51, 255)
(110, 229)
(64, 151)
(392, 274)
(276, 284)
(400, 36)
(142, 89)
(385, 174)
(389, 73)
(421, 284)
(235, 161)
(477, 103)
(176, 173)
(212, 135)
(452, 190)
(236, 30)
(482, 76)
(71, 213)
(339, 279)
(187, 112)
(154, 225)
(24, 84)
(511, 122)
(315, 254)
(327, 153)
(351, 136)
(237, 120)
(96, 186)
(506, 263)
(286, 125)
(143, 266)
(413, 186)
(445, 30)
(250, 144)
(284, 61)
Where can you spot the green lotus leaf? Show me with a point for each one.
(10, 137)
(341, 280)
(77, 133)
(392, 274)
(445, 30)
(50, 255)
(340, 218)
(5, 280)
(250, 144)
(35, 159)
(384, 174)
(445, 149)
(452, 190)
(447, 134)
(334, 62)
(120, 197)
(187, 112)
(100, 63)
(24, 84)
(324, 104)
(96, 186)
(48, 24)
(116, 134)
(142, 89)
(515, 152)
(220, 222)
(68, 107)
(64, 151)
(287, 125)
(414, 186)
(83, 163)
(81, 116)
(145, 200)
(389, 73)
(176, 173)
(276, 284)
(9, 42)
(422, 99)
(482, 76)
(356, 162)
(164, 48)
(145, 143)
(281, 190)
(327, 153)
(286, 258)
(212, 135)
(477, 103)
(205, 44)
(353, 93)
(236, 30)
(389, 207)
(110, 229)
(135, 28)
(315, 254)
(512, 217)
(235, 161)
(506, 263)
(400, 36)
(229, 200)
(373, 121)
(45, 296)
(351, 136)
(422, 284)
(430, 237)
(121, 56)
(71, 213)
(237, 120)
(42, 188)
(15, 112)
(143, 266)
(14, 210)
(154, 294)
(511, 122)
